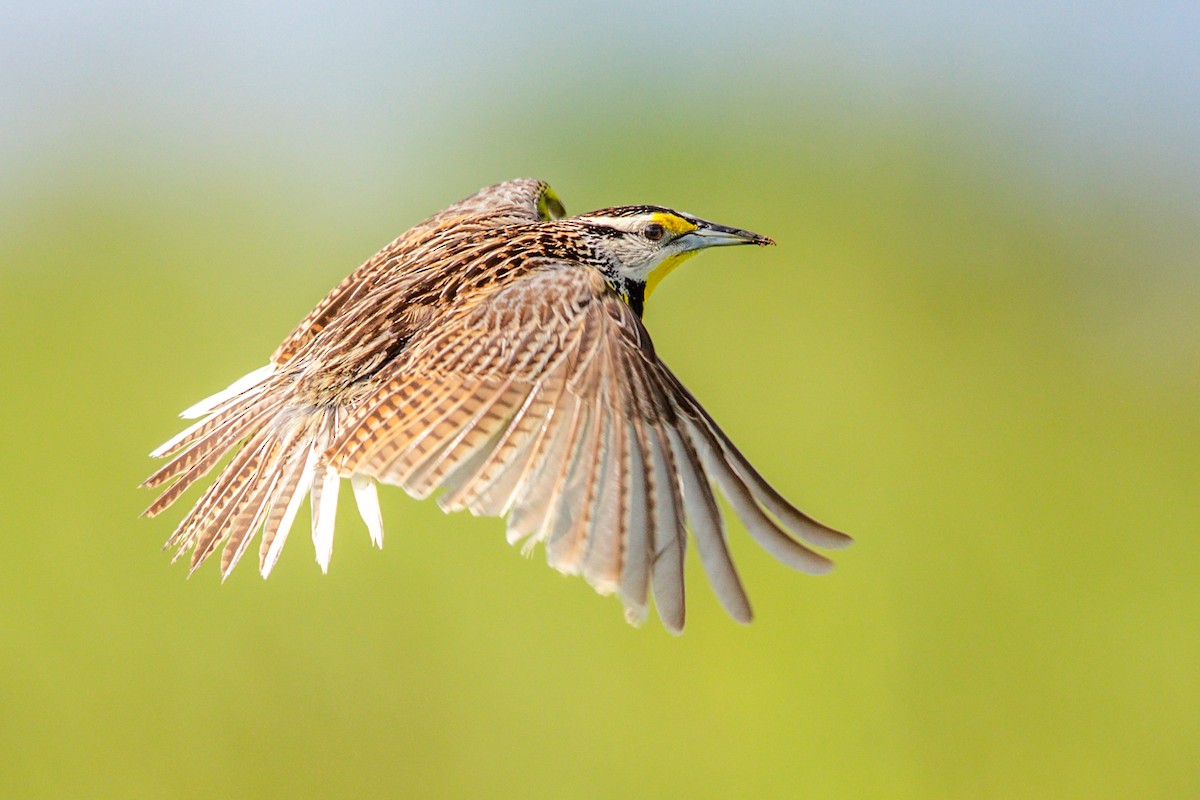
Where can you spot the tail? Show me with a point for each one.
(280, 457)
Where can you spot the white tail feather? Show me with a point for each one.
(289, 516)
(324, 513)
(209, 404)
(368, 506)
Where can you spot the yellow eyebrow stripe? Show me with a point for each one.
(676, 225)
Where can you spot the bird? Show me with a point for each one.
(495, 354)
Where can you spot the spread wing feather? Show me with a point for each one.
(669, 546)
(547, 403)
(538, 398)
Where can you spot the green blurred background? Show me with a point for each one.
(977, 348)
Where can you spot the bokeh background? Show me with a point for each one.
(976, 347)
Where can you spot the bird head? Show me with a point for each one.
(646, 242)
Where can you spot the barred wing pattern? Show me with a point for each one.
(538, 398)
(281, 436)
(547, 404)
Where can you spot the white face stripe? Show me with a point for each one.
(673, 221)
(627, 224)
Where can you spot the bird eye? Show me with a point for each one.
(654, 231)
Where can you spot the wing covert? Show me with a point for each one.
(510, 202)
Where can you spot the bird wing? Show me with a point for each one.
(548, 405)
(507, 203)
(515, 201)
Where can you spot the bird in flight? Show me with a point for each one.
(495, 353)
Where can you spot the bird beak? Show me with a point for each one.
(710, 234)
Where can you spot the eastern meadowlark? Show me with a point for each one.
(495, 352)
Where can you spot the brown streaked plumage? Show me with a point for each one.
(494, 352)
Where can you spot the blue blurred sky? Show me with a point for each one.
(1068, 85)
